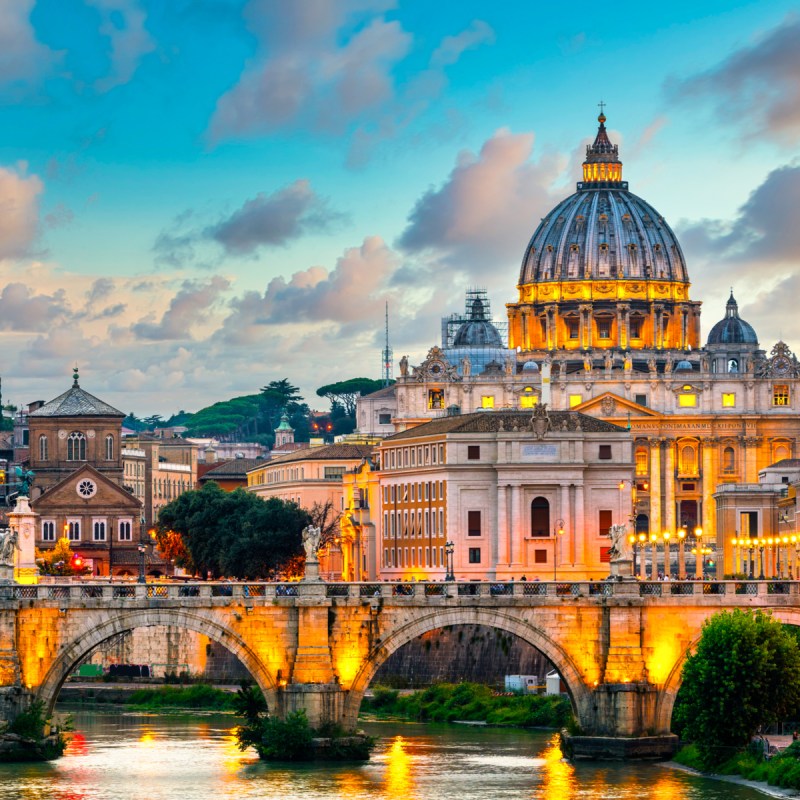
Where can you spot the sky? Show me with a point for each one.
(198, 197)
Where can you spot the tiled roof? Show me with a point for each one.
(75, 402)
(236, 468)
(330, 452)
(489, 422)
(386, 391)
(786, 463)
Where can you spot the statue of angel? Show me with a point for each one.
(311, 537)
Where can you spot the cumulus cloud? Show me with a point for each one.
(315, 294)
(21, 56)
(21, 309)
(185, 311)
(756, 90)
(122, 22)
(19, 211)
(304, 70)
(489, 205)
(273, 220)
(451, 47)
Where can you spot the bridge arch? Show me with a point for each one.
(94, 632)
(490, 617)
(669, 692)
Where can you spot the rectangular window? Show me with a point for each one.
(74, 530)
(728, 400)
(687, 400)
(636, 327)
(427, 490)
(125, 527)
(473, 523)
(572, 327)
(604, 521)
(780, 394)
(435, 398)
(384, 419)
(575, 400)
(640, 399)
(604, 453)
(334, 473)
(48, 530)
(528, 400)
(748, 523)
(441, 454)
(540, 556)
(473, 452)
(605, 555)
(604, 329)
(487, 401)
(474, 555)
(99, 530)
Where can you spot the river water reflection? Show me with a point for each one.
(120, 756)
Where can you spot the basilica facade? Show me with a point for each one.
(603, 324)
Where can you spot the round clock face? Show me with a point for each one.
(436, 369)
(86, 488)
(781, 364)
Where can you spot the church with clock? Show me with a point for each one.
(603, 323)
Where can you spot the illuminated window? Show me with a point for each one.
(636, 327)
(642, 461)
(487, 401)
(436, 398)
(687, 400)
(572, 328)
(728, 399)
(575, 400)
(688, 460)
(604, 328)
(780, 394)
(528, 401)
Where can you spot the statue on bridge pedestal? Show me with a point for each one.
(311, 540)
(620, 554)
(9, 544)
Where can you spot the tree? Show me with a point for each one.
(346, 393)
(325, 517)
(61, 560)
(745, 673)
(232, 534)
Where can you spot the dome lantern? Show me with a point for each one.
(602, 168)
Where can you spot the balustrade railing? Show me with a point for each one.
(416, 591)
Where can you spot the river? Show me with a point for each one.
(116, 756)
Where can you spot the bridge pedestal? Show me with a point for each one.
(322, 702)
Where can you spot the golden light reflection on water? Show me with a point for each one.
(231, 755)
(559, 775)
(399, 774)
(147, 738)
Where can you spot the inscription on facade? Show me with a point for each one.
(539, 452)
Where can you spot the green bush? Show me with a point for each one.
(30, 723)
(199, 695)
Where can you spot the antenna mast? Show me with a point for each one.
(387, 371)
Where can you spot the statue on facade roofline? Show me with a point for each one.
(404, 366)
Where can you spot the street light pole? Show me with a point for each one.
(449, 547)
(698, 561)
(559, 531)
(142, 548)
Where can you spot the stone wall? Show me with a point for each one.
(473, 653)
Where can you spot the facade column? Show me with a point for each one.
(750, 462)
(552, 319)
(581, 326)
(658, 311)
(669, 486)
(516, 533)
(502, 527)
(564, 513)
(655, 485)
(580, 528)
(623, 328)
(709, 481)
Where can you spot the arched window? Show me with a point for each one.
(42, 448)
(540, 517)
(729, 460)
(642, 523)
(780, 452)
(733, 365)
(688, 464)
(109, 448)
(76, 447)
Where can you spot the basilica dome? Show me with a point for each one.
(477, 330)
(732, 329)
(603, 230)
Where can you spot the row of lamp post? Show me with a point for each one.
(773, 556)
(642, 541)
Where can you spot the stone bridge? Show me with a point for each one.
(619, 647)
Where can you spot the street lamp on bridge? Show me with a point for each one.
(449, 548)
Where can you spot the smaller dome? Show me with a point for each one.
(477, 330)
(732, 329)
(530, 366)
(684, 366)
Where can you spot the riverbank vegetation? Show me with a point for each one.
(197, 696)
(472, 702)
(32, 737)
(293, 738)
(743, 677)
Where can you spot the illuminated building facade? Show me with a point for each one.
(603, 323)
(516, 494)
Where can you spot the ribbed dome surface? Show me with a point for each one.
(732, 329)
(603, 233)
(477, 330)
